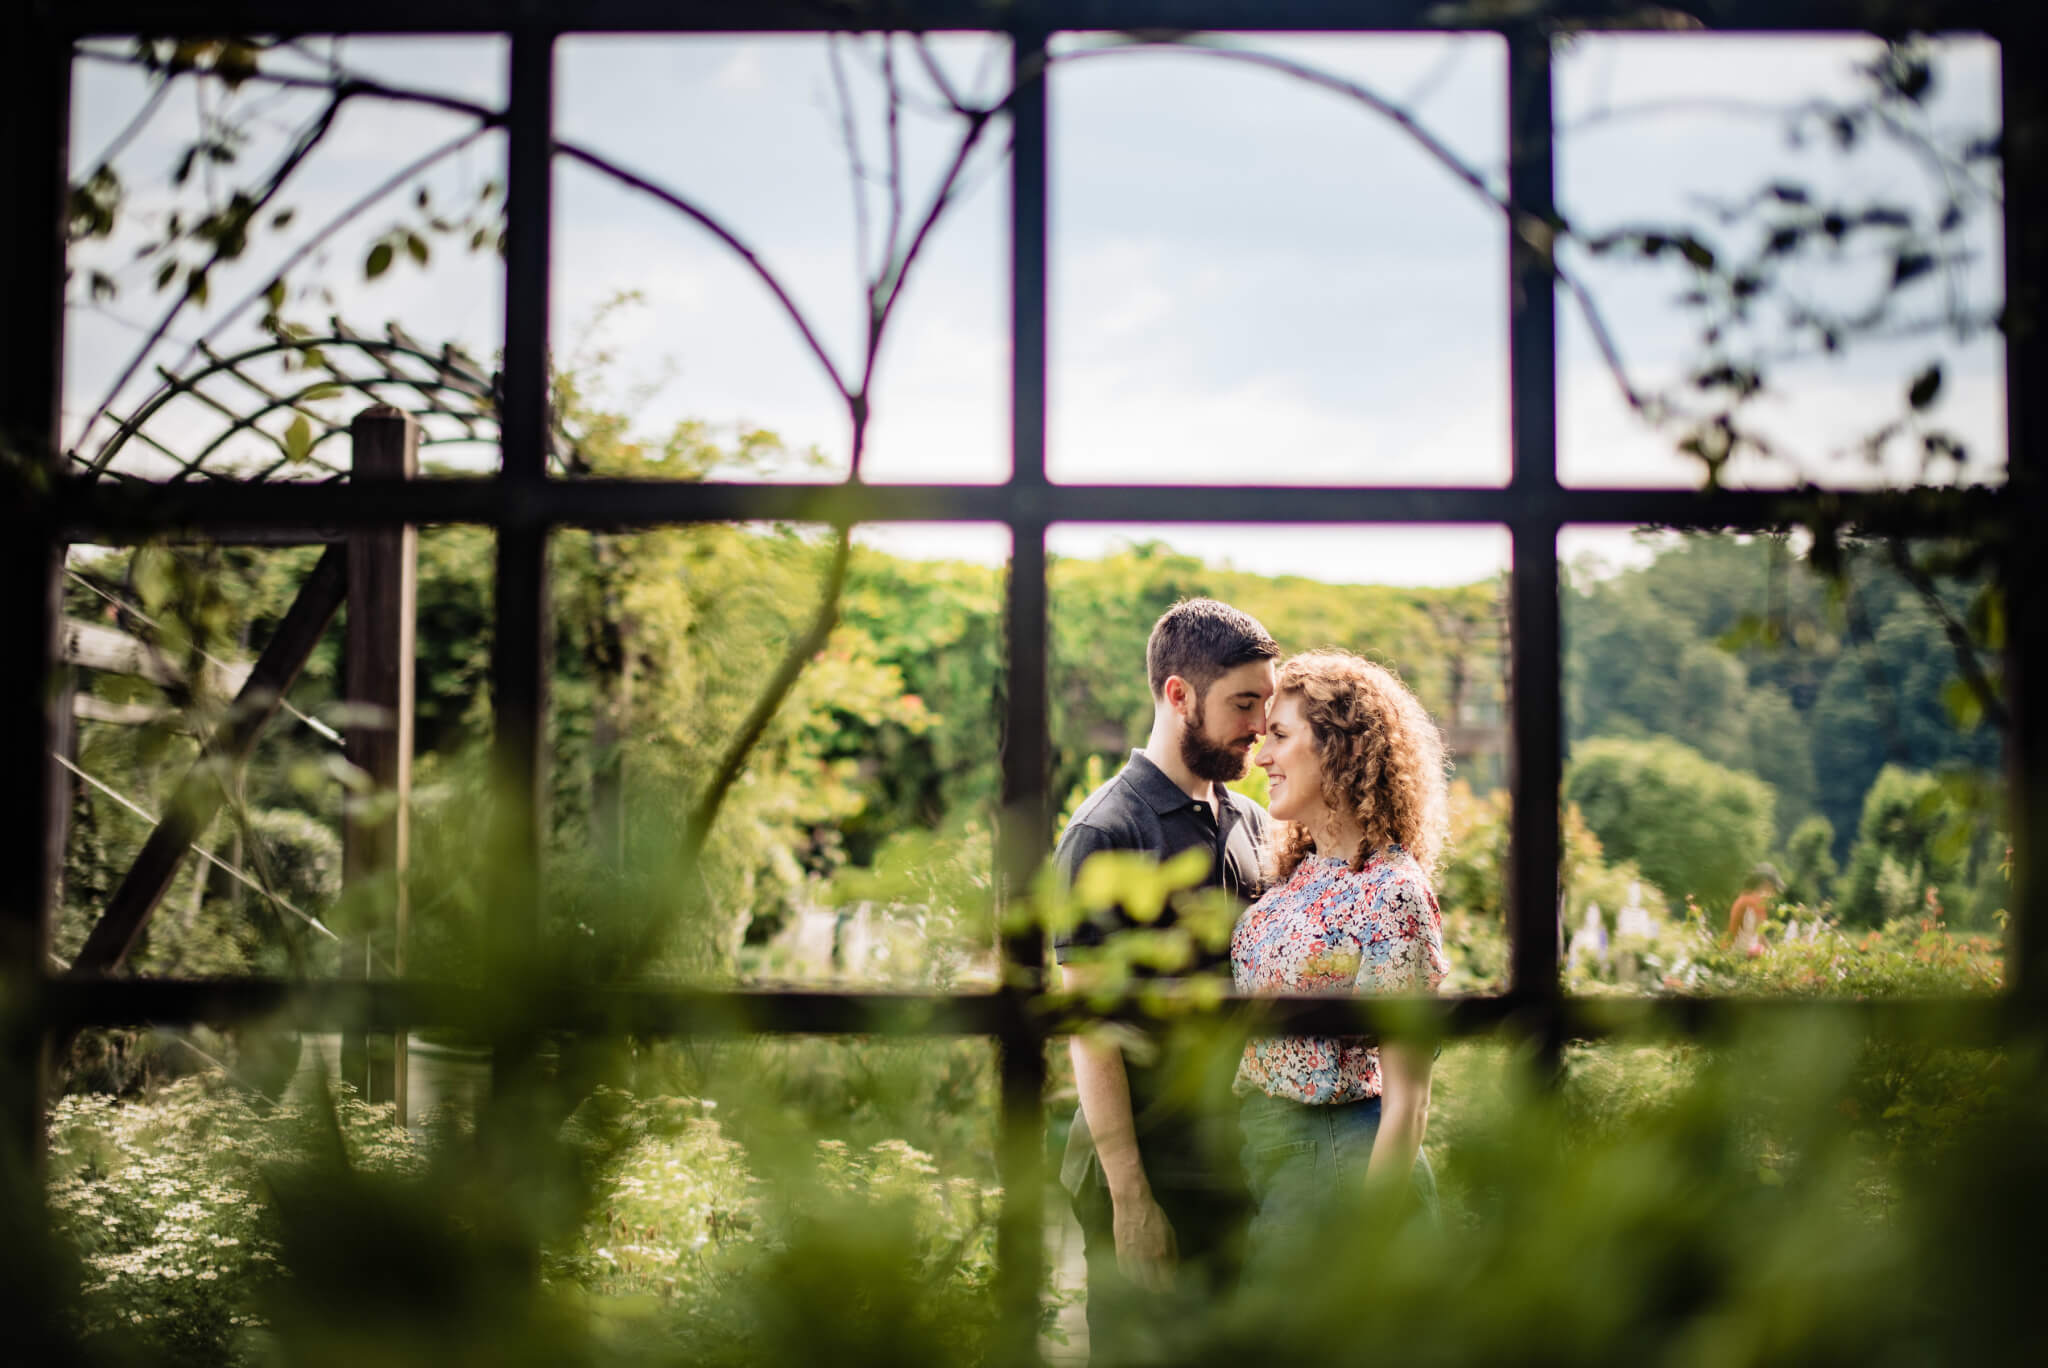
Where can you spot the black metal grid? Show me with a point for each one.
(524, 504)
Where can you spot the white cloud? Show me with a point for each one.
(1249, 281)
(741, 71)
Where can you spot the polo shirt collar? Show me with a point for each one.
(1160, 793)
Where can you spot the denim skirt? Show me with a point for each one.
(1304, 1164)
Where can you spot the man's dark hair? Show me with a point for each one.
(1199, 640)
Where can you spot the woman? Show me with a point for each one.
(1356, 774)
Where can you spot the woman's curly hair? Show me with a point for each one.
(1382, 759)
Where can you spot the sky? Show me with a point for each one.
(1252, 280)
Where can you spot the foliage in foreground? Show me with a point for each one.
(1806, 1195)
(196, 1213)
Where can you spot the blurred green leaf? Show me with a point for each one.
(298, 439)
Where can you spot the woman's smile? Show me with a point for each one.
(1290, 742)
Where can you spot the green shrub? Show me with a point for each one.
(1808, 862)
(1906, 846)
(164, 1199)
(1693, 827)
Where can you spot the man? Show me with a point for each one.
(1153, 1173)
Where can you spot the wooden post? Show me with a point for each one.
(382, 603)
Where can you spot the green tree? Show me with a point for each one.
(1693, 827)
(1648, 653)
(1886, 701)
(1808, 863)
(1913, 838)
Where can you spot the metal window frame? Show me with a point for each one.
(524, 504)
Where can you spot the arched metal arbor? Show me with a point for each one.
(266, 401)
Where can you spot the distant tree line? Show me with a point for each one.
(1727, 704)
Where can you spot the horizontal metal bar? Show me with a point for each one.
(656, 1011)
(388, 1005)
(198, 17)
(106, 512)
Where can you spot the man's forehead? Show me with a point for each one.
(1253, 679)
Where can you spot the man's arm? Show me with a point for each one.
(1145, 1247)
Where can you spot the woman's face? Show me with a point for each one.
(1294, 773)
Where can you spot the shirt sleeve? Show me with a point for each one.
(1262, 840)
(1077, 843)
(1403, 941)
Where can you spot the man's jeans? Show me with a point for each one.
(1304, 1163)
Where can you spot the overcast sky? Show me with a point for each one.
(1252, 280)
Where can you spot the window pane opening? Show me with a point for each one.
(1783, 774)
(1256, 278)
(1792, 249)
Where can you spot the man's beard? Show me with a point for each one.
(1207, 760)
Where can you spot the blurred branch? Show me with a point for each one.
(937, 73)
(341, 87)
(856, 165)
(1923, 146)
(1544, 236)
(309, 139)
(697, 829)
(135, 125)
(894, 93)
(306, 249)
(1967, 661)
(977, 124)
(636, 181)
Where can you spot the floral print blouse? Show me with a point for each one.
(1329, 930)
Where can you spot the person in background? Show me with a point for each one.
(1752, 907)
(1356, 774)
(1152, 1173)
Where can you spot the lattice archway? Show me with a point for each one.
(255, 415)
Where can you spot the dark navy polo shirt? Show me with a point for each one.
(1142, 810)
(1182, 1107)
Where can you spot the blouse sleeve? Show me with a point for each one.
(1403, 953)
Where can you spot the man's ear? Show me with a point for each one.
(1179, 695)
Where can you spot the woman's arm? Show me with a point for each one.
(1414, 963)
(1404, 1113)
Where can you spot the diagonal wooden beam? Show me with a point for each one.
(200, 794)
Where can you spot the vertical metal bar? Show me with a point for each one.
(2022, 51)
(529, 212)
(1534, 640)
(1025, 826)
(519, 647)
(35, 72)
(1027, 259)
